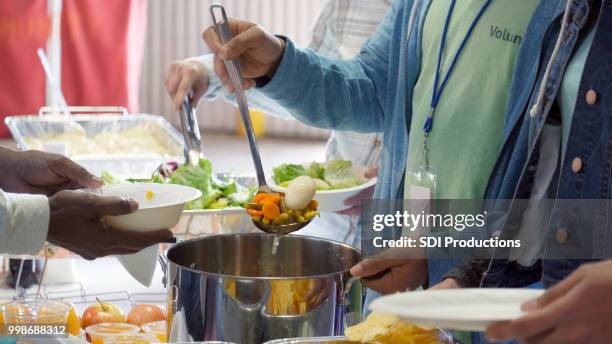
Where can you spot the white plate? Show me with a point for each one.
(333, 200)
(163, 211)
(456, 309)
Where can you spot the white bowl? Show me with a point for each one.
(163, 211)
(333, 200)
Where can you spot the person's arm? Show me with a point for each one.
(469, 273)
(576, 310)
(334, 94)
(70, 219)
(42, 206)
(323, 42)
(257, 100)
(24, 220)
(196, 75)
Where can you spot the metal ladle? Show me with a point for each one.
(233, 70)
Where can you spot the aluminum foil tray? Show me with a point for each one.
(29, 130)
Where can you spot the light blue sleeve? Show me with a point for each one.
(337, 94)
(257, 100)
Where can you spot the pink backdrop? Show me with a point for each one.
(102, 47)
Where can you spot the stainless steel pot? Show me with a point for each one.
(236, 288)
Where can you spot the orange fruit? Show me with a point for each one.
(2, 329)
(73, 323)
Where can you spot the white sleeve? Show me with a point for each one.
(24, 223)
(257, 100)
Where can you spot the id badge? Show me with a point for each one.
(421, 191)
(421, 184)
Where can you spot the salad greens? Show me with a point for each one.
(334, 174)
(316, 170)
(110, 179)
(199, 177)
(288, 172)
(216, 193)
(339, 174)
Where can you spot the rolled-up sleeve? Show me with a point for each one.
(469, 273)
(257, 100)
(24, 223)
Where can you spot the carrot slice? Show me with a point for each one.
(259, 197)
(313, 205)
(254, 212)
(271, 211)
(273, 198)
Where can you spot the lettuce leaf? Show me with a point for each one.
(288, 172)
(338, 169)
(221, 203)
(332, 175)
(339, 174)
(199, 177)
(242, 196)
(227, 188)
(316, 170)
(110, 179)
(344, 183)
(157, 178)
(321, 185)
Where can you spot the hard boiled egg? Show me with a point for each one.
(300, 192)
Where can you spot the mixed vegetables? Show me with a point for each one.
(216, 193)
(271, 208)
(332, 175)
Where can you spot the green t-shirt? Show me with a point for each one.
(469, 120)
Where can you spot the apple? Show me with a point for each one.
(146, 313)
(102, 312)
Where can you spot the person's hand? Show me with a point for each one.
(258, 51)
(184, 77)
(76, 224)
(388, 276)
(577, 310)
(42, 173)
(356, 201)
(371, 172)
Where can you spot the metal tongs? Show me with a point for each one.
(222, 29)
(191, 132)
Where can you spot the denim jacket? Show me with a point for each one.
(589, 144)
